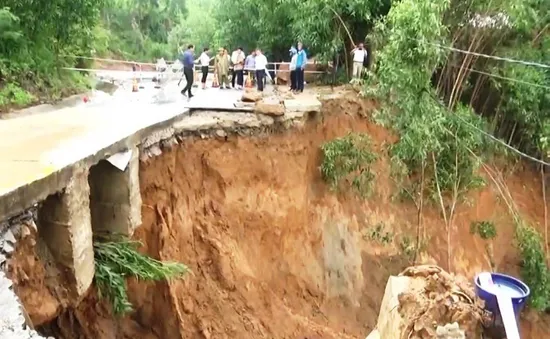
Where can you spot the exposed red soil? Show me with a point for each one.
(275, 253)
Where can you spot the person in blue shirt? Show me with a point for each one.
(301, 61)
(188, 60)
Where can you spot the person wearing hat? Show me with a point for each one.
(292, 67)
(221, 67)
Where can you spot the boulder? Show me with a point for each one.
(269, 107)
(251, 96)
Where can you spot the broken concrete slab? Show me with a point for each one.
(302, 105)
(196, 123)
(271, 107)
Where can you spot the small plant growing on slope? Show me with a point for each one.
(349, 158)
(534, 269)
(114, 261)
(379, 234)
(486, 231)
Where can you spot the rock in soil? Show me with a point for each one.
(269, 107)
(445, 299)
(251, 96)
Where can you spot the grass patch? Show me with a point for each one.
(349, 160)
(485, 229)
(13, 94)
(114, 261)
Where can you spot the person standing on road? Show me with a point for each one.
(301, 61)
(237, 60)
(205, 64)
(359, 55)
(261, 64)
(250, 65)
(292, 67)
(221, 68)
(188, 61)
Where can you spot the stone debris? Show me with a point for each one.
(12, 320)
(251, 96)
(444, 299)
(13, 229)
(169, 143)
(450, 331)
(155, 150)
(13, 323)
(427, 302)
(270, 107)
(221, 133)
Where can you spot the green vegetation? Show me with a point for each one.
(349, 159)
(485, 229)
(140, 29)
(443, 108)
(378, 233)
(534, 268)
(32, 42)
(114, 261)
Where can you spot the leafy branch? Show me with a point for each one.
(114, 261)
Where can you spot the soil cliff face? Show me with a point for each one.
(275, 253)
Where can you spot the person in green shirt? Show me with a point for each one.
(221, 67)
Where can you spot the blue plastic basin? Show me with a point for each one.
(515, 288)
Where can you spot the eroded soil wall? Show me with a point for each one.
(274, 252)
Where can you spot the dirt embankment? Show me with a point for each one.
(274, 253)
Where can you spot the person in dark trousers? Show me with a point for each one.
(292, 68)
(188, 61)
(301, 61)
(261, 64)
(205, 63)
(237, 60)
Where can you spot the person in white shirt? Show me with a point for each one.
(359, 55)
(161, 67)
(237, 60)
(204, 60)
(261, 64)
(292, 67)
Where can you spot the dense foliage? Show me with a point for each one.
(445, 103)
(32, 42)
(321, 25)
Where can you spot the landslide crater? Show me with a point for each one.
(274, 252)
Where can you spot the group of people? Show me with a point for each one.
(233, 67)
(225, 67)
